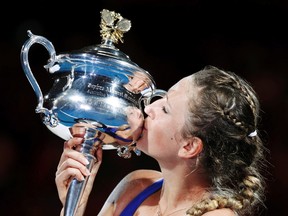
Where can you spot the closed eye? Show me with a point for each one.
(164, 109)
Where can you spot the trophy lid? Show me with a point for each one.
(105, 58)
(113, 26)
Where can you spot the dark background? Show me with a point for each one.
(170, 39)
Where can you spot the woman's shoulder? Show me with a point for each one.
(129, 187)
(138, 180)
(135, 182)
(143, 175)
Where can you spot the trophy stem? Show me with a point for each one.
(76, 188)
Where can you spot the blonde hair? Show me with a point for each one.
(225, 116)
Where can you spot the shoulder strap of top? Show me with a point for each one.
(136, 202)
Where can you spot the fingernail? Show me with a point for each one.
(88, 172)
(86, 161)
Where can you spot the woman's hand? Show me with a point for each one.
(73, 164)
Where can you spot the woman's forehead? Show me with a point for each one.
(183, 83)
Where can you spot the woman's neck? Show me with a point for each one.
(180, 193)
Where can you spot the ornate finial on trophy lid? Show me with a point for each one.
(113, 26)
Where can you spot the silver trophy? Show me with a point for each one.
(97, 86)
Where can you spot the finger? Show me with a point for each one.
(95, 168)
(78, 129)
(68, 145)
(71, 143)
(63, 180)
(99, 154)
(69, 153)
(74, 165)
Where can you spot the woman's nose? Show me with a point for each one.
(150, 110)
(147, 110)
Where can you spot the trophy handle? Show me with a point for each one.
(49, 117)
(150, 95)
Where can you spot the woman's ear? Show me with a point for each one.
(191, 147)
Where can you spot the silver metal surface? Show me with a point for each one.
(97, 85)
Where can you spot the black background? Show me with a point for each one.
(170, 39)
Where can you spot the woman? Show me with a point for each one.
(204, 136)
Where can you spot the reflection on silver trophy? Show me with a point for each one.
(98, 87)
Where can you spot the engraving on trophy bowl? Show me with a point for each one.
(90, 96)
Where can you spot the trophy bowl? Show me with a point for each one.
(97, 86)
